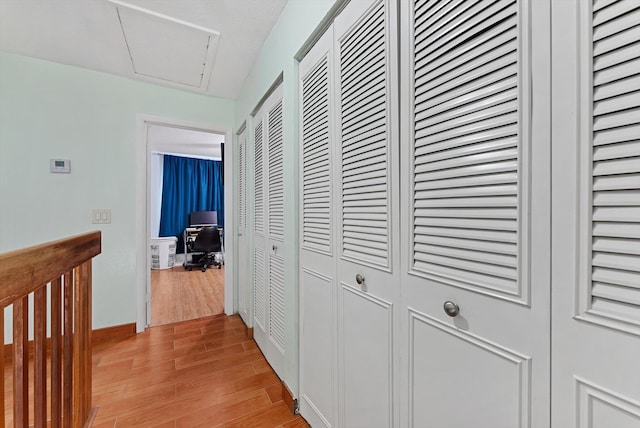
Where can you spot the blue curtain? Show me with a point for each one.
(189, 185)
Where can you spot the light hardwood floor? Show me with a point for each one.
(200, 373)
(179, 295)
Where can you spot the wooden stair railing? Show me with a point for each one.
(63, 267)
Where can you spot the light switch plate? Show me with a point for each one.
(101, 216)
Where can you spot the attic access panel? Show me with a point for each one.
(165, 48)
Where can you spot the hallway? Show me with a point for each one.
(179, 295)
(200, 373)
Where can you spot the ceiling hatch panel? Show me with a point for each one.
(165, 49)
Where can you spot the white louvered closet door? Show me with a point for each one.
(366, 215)
(244, 291)
(318, 395)
(269, 311)
(596, 311)
(475, 200)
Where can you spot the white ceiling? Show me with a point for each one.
(206, 46)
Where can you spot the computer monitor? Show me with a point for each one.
(203, 218)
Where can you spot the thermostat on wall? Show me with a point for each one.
(60, 165)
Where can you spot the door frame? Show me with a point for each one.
(143, 202)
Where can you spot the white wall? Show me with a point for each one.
(296, 24)
(50, 110)
(155, 187)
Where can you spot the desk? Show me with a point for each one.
(189, 235)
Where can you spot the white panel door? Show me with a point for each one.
(476, 225)
(318, 393)
(244, 290)
(268, 232)
(366, 204)
(596, 209)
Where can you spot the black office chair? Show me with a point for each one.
(206, 247)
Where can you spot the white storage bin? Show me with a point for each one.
(163, 252)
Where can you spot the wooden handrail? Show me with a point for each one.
(65, 265)
(22, 271)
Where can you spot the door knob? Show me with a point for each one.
(451, 308)
(359, 279)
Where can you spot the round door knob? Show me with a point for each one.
(451, 308)
(359, 279)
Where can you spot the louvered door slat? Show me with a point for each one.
(612, 245)
(363, 159)
(440, 65)
(467, 244)
(496, 190)
(259, 179)
(617, 230)
(613, 293)
(316, 130)
(616, 26)
(465, 112)
(620, 103)
(619, 56)
(368, 53)
(617, 72)
(613, 11)
(472, 25)
(471, 171)
(426, 9)
(364, 197)
(315, 158)
(374, 93)
(276, 301)
(276, 193)
(615, 161)
(613, 47)
(452, 230)
(478, 149)
(487, 225)
(467, 144)
(465, 161)
(259, 287)
(316, 169)
(482, 137)
(485, 64)
(368, 27)
(242, 184)
(628, 181)
(599, 4)
(355, 113)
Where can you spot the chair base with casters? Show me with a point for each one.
(203, 261)
(206, 250)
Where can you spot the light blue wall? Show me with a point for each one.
(297, 23)
(48, 110)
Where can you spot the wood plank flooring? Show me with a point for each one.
(179, 295)
(200, 373)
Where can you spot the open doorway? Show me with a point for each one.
(185, 176)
